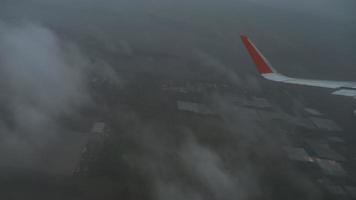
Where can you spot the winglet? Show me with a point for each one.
(260, 61)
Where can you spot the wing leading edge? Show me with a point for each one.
(267, 71)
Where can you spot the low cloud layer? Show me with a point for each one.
(42, 77)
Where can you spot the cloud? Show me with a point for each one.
(211, 63)
(175, 192)
(38, 69)
(208, 168)
(42, 78)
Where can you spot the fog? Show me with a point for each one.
(54, 55)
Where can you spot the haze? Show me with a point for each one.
(158, 99)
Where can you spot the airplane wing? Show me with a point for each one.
(344, 88)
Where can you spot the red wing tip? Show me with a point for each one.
(261, 64)
(243, 37)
